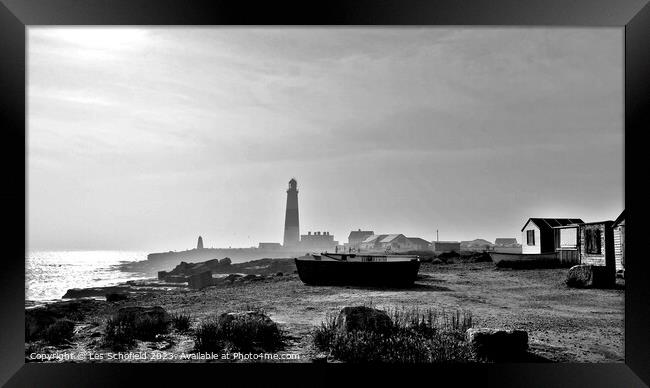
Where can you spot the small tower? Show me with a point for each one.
(199, 244)
(291, 226)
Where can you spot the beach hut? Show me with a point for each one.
(538, 235)
(619, 241)
(597, 247)
(567, 243)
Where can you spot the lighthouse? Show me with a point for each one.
(291, 228)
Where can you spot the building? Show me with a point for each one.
(506, 242)
(538, 235)
(320, 241)
(420, 244)
(291, 224)
(356, 237)
(387, 243)
(445, 246)
(619, 241)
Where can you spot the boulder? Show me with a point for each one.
(498, 344)
(199, 281)
(225, 261)
(116, 297)
(250, 277)
(437, 261)
(279, 274)
(363, 318)
(232, 277)
(590, 276)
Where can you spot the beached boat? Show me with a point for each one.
(520, 260)
(354, 269)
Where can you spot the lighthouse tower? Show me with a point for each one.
(291, 228)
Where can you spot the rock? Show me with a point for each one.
(364, 318)
(279, 274)
(498, 344)
(116, 297)
(232, 277)
(162, 275)
(437, 261)
(225, 261)
(156, 314)
(75, 293)
(199, 281)
(590, 276)
(250, 277)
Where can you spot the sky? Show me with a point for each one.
(146, 138)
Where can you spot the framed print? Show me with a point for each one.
(283, 193)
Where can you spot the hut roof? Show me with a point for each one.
(550, 223)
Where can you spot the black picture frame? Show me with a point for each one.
(16, 15)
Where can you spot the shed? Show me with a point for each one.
(538, 235)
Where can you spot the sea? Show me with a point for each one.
(49, 274)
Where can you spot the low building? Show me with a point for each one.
(319, 241)
(538, 235)
(445, 246)
(419, 244)
(387, 243)
(619, 241)
(356, 237)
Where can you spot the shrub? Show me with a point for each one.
(60, 331)
(429, 336)
(124, 328)
(249, 331)
(181, 322)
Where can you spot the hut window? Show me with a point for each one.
(530, 237)
(592, 241)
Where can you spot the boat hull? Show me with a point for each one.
(521, 260)
(379, 274)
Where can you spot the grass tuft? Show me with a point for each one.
(416, 337)
(123, 329)
(181, 322)
(242, 332)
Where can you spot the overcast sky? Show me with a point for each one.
(145, 138)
